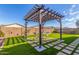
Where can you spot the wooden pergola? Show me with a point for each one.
(41, 14)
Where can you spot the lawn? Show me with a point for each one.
(18, 46)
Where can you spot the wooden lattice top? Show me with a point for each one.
(39, 11)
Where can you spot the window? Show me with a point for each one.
(11, 32)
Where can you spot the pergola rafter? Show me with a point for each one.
(41, 14)
(34, 14)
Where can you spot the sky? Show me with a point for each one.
(14, 13)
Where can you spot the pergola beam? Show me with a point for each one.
(37, 9)
(54, 14)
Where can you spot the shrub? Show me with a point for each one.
(1, 34)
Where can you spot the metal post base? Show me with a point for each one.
(39, 49)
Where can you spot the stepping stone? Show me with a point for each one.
(61, 53)
(61, 45)
(67, 51)
(76, 42)
(33, 45)
(61, 40)
(77, 48)
(69, 48)
(47, 46)
(34, 41)
(77, 51)
(55, 43)
(57, 47)
(30, 42)
(64, 43)
(44, 42)
(37, 43)
(73, 44)
(47, 41)
(76, 54)
(53, 39)
(50, 45)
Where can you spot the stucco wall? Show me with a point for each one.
(12, 31)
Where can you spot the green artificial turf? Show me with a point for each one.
(8, 40)
(17, 46)
(5, 41)
(26, 49)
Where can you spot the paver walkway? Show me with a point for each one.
(63, 48)
(76, 52)
(70, 48)
(76, 41)
(49, 43)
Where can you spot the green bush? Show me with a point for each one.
(1, 34)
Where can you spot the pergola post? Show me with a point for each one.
(60, 29)
(40, 33)
(40, 39)
(25, 29)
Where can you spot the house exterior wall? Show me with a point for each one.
(36, 30)
(12, 31)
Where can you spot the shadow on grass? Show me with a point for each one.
(68, 40)
(50, 51)
(26, 49)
